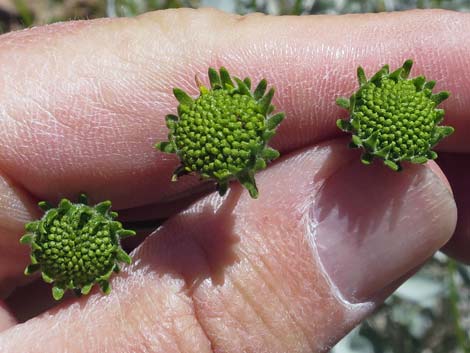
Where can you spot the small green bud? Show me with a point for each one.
(223, 134)
(76, 245)
(394, 117)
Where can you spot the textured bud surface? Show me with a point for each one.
(395, 118)
(223, 134)
(76, 245)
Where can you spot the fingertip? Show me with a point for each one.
(373, 225)
(7, 319)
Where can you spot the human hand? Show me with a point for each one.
(328, 239)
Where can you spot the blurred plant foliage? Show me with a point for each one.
(16, 14)
(305, 7)
(430, 313)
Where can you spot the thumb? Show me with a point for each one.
(290, 272)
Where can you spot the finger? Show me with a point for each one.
(16, 208)
(290, 272)
(86, 121)
(88, 118)
(457, 169)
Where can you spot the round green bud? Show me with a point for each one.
(395, 118)
(223, 133)
(76, 245)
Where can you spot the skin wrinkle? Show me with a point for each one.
(198, 319)
(216, 344)
(259, 315)
(268, 279)
(245, 338)
(272, 289)
(149, 338)
(146, 252)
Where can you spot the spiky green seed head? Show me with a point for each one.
(223, 134)
(75, 246)
(395, 118)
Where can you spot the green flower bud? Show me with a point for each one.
(223, 133)
(395, 118)
(76, 245)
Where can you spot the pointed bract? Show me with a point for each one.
(265, 102)
(222, 188)
(419, 82)
(241, 86)
(361, 76)
(247, 82)
(343, 102)
(57, 293)
(214, 79)
(440, 97)
(32, 226)
(429, 85)
(82, 198)
(366, 158)
(165, 147)
(248, 181)
(124, 233)
(182, 97)
(122, 256)
(46, 278)
(378, 76)
(260, 89)
(225, 78)
(260, 164)
(344, 125)
(65, 205)
(27, 238)
(407, 68)
(103, 207)
(105, 287)
(31, 269)
(86, 289)
(274, 121)
(392, 165)
(44, 205)
(270, 154)
(419, 160)
(396, 75)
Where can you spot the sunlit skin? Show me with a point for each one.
(327, 241)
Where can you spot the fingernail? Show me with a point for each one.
(440, 175)
(16, 207)
(372, 225)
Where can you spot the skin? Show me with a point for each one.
(328, 240)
